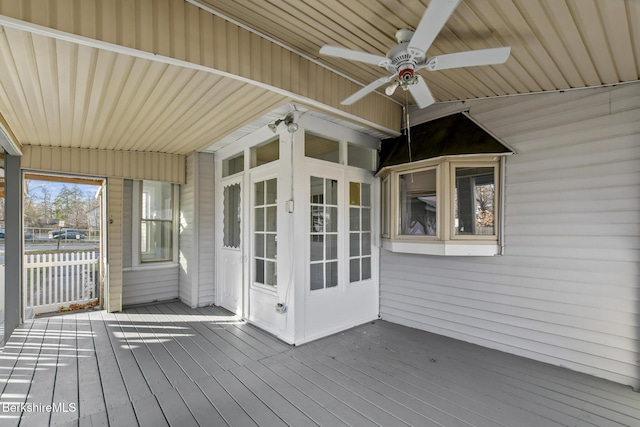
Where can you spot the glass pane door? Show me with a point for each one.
(323, 233)
(359, 231)
(265, 232)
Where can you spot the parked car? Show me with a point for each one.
(66, 234)
(27, 235)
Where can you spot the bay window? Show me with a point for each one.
(444, 206)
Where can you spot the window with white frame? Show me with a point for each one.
(156, 222)
(446, 206)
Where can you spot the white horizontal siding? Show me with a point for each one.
(149, 285)
(197, 229)
(187, 234)
(567, 290)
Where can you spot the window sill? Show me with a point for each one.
(442, 248)
(152, 266)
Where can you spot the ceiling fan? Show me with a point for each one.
(410, 55)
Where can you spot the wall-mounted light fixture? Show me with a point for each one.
(289, 122)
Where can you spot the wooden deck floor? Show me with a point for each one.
(170, 365)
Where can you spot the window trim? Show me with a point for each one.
(445, 242)
(136, 224)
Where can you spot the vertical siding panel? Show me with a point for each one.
(126, 12)
(177, 31)
(127, 224)
(187, 234)
(194, 46)
(207, 39)
(566, 290)
(206, 230)
(107, 163)
(114, 243)
(220, 39)
(107, 17)
(144, 25)
(88, 15)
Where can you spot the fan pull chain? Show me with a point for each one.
(405, 108)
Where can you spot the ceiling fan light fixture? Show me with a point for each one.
(391, 88)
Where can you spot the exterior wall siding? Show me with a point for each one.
(106, 163)
(567, 289)
(197, 229)
(206, 230)
(187, 234)
(114, 244)
(149, 285)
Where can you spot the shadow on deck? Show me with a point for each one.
(168, 364)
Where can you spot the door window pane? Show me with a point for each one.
(360, 231)
(361, 157)
(322, 148)
(323, 228)
(231, 213)
(233, 165)
(265, 230)
(265, 153)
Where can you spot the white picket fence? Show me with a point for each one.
(54, 280)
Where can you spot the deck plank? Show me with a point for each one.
(184, 337)
(91, 397)
(209, 333)
(365, 400)
(201, 408)
(170, 365)
(175, 361)
(219, 328)
(145, 359)
(175, 410)
(233, 414)
(130, 372)
(247, 400)
(276, 403)
(115, 394)
(44, 377)
(429, 405)
(66, 385)
(312, 408)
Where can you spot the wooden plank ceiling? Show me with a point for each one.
(56, 91)
(556, 44)
(62, 94)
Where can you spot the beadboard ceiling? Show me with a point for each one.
(556, 44)
(58, 91)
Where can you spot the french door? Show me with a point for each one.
(232, 251)
(341, 261)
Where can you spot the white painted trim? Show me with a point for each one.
(8, 142)
(441, 248)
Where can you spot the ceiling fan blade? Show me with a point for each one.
(421, 93)
(354, 55)
(430, 25)
(468, 59)
(367, 89)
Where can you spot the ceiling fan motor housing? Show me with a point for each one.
(406, 75)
